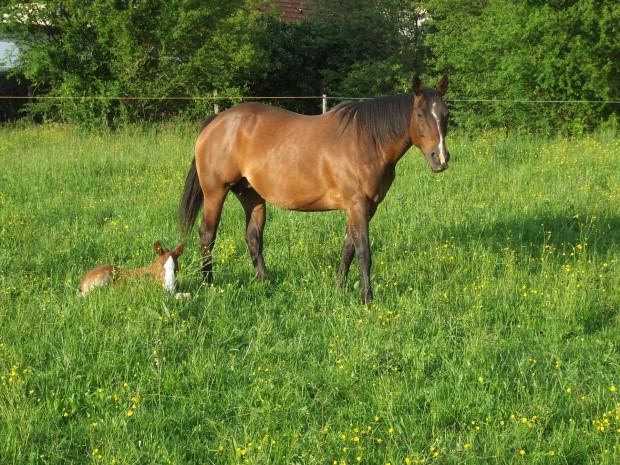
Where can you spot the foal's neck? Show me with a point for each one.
(154, 270)
(148, 270)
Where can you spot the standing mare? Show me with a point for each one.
(342, 160)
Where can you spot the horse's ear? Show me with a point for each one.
(442, 87)
(417, 85)
(179, 250)
(158, 248)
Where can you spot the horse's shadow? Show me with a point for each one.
(529, 238)
(540, 244)
(535, 236)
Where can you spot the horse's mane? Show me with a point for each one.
(380, 120)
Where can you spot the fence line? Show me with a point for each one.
(215, 99)
(247, 97)
(613, 102)
(198, 97)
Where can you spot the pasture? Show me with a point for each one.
(494, 336)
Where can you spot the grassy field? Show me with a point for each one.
(494, 336)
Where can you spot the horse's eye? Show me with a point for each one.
(420, 115)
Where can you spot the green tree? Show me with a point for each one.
(529, 50)
(112, 48)
(352, 48)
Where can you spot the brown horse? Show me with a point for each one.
(342, 160)
(162, 269)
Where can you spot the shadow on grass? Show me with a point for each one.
(534, 236)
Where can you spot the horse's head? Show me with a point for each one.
(166, 265)
(429, 123)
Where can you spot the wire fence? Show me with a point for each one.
(467, 111)
(248, 97)
(323, 99)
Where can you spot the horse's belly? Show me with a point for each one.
(300, 192)
(295, 168)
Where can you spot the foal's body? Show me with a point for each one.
(162, 269)
(342, 160)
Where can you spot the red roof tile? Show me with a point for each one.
(294, 10)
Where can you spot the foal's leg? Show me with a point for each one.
(208, 230)
(255, 218)
(359, 216)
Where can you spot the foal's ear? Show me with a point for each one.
(179, 250)
(159, 250)
(442, 87)
(417, 85)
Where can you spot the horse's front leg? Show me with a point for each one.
(348, 252)
(359, 216)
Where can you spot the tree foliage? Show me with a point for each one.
(113, 48)
(351, 48)
(515, 51)
(561, 50)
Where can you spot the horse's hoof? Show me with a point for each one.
(367, 299)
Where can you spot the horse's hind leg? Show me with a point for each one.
(255, 218)
(208, 230)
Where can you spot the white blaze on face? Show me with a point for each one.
(442, 143)
(169, 275)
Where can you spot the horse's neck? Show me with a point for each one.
(393, 152)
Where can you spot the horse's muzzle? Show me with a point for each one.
(438, 162)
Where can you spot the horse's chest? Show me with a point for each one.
(382, 185)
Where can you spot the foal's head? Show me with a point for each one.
(165, 265)
(429, 123)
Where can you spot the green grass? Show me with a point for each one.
(494, 336)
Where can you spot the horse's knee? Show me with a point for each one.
(254, 245)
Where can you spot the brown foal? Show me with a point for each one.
(162, 269)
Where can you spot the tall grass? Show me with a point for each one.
(494, 336)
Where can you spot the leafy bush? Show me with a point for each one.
(506, 56)
(529, 50)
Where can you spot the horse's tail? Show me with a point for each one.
(192, 197)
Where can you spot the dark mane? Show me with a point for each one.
(380, 120)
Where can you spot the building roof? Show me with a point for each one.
(295, 10)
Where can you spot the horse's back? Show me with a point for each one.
(256, 120)
(294, 161)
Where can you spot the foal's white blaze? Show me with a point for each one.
(442, 142)
(169, 275)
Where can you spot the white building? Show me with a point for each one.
(9, 54)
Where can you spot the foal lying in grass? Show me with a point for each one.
(162, 269)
